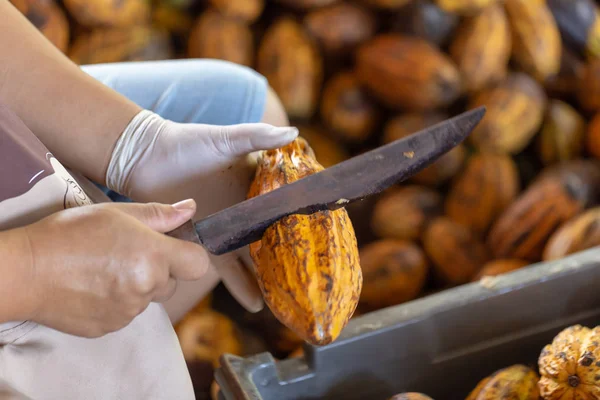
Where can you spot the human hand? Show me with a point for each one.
(95, 268)
(160, 160)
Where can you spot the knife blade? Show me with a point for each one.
(335, 187)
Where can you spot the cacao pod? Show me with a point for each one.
(426, 20)
(48, 18)
(340, 28)
(410, 396)
(307, 265)
(387, 4)
(246, 11)
(564, 85)
(292, 64)
(588, 88)
(579, 24)
(536, 44)
(481, 48)
(514, 382)
(499, 267)
(109, 13)
(558, 194)
(403, 213)
(563, 133)
(442, 169)
(488, 184)
(172, 19)
(347, 109)
(326, 150)
(592, 140)
(465, 7)
(306, 4)
(577, 234)
(570, 365)
(407, 72)
(219, 37)
(138, 43)
(515, 112)
(394, 272)
(456, 252)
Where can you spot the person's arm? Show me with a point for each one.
(77, 117)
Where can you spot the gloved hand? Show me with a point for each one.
(157, 160)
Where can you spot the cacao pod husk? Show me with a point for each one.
(481, 48)
(570, 365)
(292, 64)
(246, 11)
(579, 24)
(109, 13)
(592, 138)
(403, 213)
(442, 169)
(307, 266)
(588, 87)
(514, 382)
(515, 112)
(563, 133)
(499, 267)
(428, 21)
(48, 18)
(465, 7)
(456, 252)
(536, 44)
(216, 36)
(347, 109)
(488, 184)
(577, 234)
(407, 72)
(410, 396)
(558, 194)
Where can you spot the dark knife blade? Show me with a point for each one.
(332, 188)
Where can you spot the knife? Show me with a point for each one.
(335, 187)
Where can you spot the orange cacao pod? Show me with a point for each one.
(326, 150)
(563, 133)
(577, 234)
(465, 7)
(167, 17)
(514, 382)
(109, 13)
(246, 11)
(407, 72)
(499, 267)
(394, 271)
(483, 190)
(48, 18)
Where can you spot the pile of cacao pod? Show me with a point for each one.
(355, 74)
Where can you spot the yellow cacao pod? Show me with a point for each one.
(328, 151)
(307, 265)
(109, 13)
(465, 7)
(577, 234)
(563, 133)
(514, 382)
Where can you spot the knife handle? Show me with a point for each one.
(186, 232)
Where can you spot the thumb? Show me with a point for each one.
(241, 139)
(160, 217)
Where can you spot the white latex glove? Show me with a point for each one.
(157, 160)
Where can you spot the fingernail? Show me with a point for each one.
(184, 205)
(286, 131)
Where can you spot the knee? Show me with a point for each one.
(274, 113)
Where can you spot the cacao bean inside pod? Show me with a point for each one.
(247, 11)
(292, 64)
(403, 213)
(340, 28)
(48, 18)
(441, 170)
(426, 20)
(138, 43)
(499, 267)
(488, 184)
(410, 396)
(517, 381)
(515, 112)
(482, 48)
(407, 72)
(219, 37)
(588, 88)
(394, 271)
(347, 109)
(326, 150)
(579, 24)
(558, 194)
(307, 266)
(577, 234)
(456, 252)
(536, 44)
(563, 134)
(465, 7)
(109, 13)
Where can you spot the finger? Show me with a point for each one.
(159, 217)
(239, 281)
(166, 292)
(186, 260)
(241, 139)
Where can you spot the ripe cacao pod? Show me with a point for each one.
(456, 252)
(592, 139)
(465, 7)
(588, 88)
(482, 191)
(536, 44)
(514, 382)
(515, 112)
(109, 13)
(410, 396)
(246, 11)
(499, 267)
(481, 48)
(579, 24)
(558, 194)
(426, 20)
(407, 72)
(48, 18)
(223, 38)
(326, 150)
(306, 4)
(347, 109)
(307, 265)
(340, 28)
(570, 365)
(178, 22)
(394, 272)
(442, 169)
(138, 43)
(577, 234)
(403, 213)
(563, 133)
(291, 62)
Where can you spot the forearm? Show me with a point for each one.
(77, 117)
